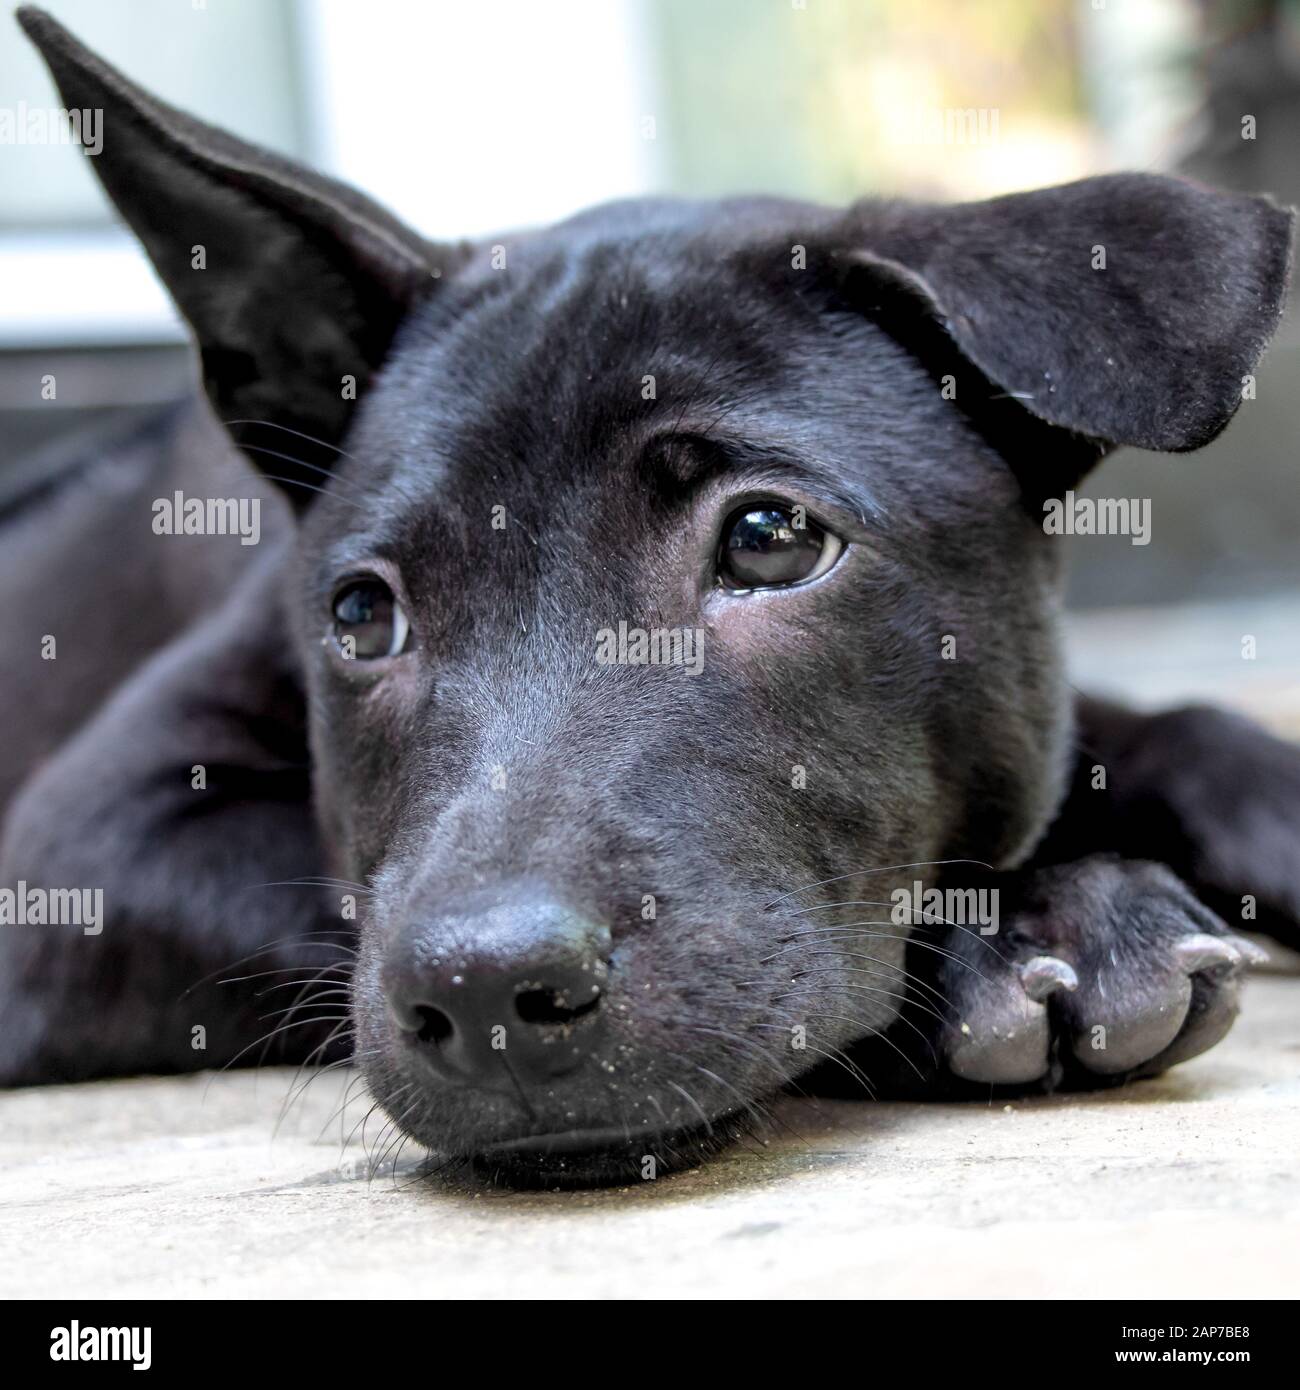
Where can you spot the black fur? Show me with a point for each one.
(796, 352)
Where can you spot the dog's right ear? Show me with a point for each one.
(293, 284)
(1123, 309)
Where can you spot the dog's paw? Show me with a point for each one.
(1218, 798)
(24, 1059)
(1106, 970)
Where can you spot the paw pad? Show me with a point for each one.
(1146, 978)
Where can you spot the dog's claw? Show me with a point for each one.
(1044, 975)
(1204, 952)
(1253, 953)
(1007, 1037)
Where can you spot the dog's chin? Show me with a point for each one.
(587, 1158)
(563, 1139)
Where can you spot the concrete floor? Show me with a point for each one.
(1184, 1186)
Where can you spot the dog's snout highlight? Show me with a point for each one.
(501, 993)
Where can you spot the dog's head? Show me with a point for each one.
(659, 570)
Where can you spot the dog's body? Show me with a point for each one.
(596, 909)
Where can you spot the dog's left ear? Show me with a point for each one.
(293, 284)
(1129, 308)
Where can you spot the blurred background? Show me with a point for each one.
(465, 118)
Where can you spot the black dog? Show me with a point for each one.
(650, 615)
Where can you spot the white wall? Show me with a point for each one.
(464, 116)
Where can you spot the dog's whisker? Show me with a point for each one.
(910, 976)
(338, 490)
(853, 955)
(345, 970)
(920, 917)
(361, 1123)
(925, 917)
(751, 1105)
(872, 1031)
(399, 1138)
(383, 1144)
(835, 1054)
(307, 487)
(339, 1112)
(358, 888)
(766, 1113)
(302, 1007)
(694, 1104)
(895, 978)
(301, 434)
(738, 1040)
(339, 985)
(883, 869)
(868, 935)
(303, 939)
(895, 970)
(899, 1018)
(304, 1000)
(313, 1070)
(265, 1042)
(842, 1058)
(868, 902)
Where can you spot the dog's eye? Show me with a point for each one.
(368, 621)
(767, 545)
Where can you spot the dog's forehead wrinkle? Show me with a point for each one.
(641, 293)
(525, 434)
(525, 447)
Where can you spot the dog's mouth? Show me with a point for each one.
(567, 1141)
(601, 1156)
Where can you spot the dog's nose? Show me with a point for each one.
(509, 994)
